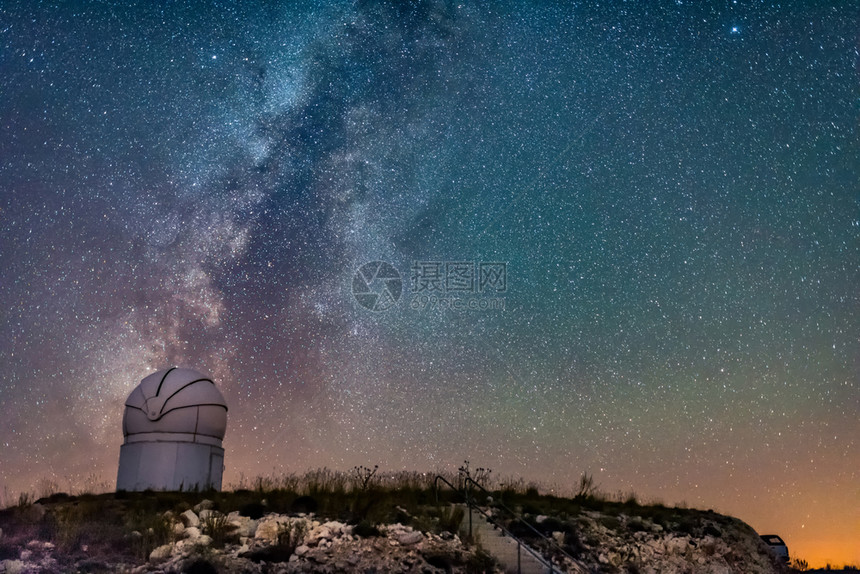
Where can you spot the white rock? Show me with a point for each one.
(409, 538)
(267, 529)
(12, 566)
(205, 513)
(204, 504)
(203, 540)
(243, 547)
(244, 525)
(192, 533)
(178, 529)
(335, 527)
(302, 550)
(320, 533)
(160, 553)
(189, 518)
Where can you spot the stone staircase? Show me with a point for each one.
(514, 557)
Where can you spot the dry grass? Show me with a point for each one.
(127, 526)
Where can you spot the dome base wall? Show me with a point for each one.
(170, 466)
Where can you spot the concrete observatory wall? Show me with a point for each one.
(173, 424)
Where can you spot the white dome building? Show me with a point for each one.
(173, 425)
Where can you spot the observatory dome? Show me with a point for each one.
(176, 401)
(174, 422)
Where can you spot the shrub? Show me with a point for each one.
(586, 489)
(366, 530)
(304, 504)
(290, 534)
(219, 529)
(552, 524)
(148, 531)
(200, 566)
(253, 510)
(610, 522)
(520, 529)
(688, 525)
(480, 562)
(450, 518)
(636, 524)
(8, 550)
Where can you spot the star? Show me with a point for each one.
(670, 219)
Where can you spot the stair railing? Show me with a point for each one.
(551, 542)
(472, 504)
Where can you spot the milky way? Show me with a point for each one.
(626, 239)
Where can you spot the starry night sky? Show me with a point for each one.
(673, 190)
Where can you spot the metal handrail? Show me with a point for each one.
(534, 552)
(472, 504)
(550, 541)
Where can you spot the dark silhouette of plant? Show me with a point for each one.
(481, 475)
(200, 566)
(587, 489)
(253, 510)
(366, 530)
(450, 519)
(362, 477)
(219, 528)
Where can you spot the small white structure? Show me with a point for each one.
(173, 425)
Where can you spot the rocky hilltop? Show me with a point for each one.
(374, 532)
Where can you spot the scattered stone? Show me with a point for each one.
(12, 566)
(721, 545)
(192, 532)
(410, 538)
(267, 530)
(245, 527)
(161, 553)
(189, 518)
